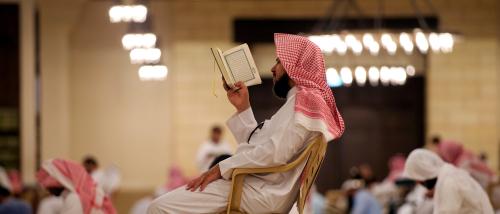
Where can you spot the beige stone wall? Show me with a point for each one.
(463, 87)
(93, 101)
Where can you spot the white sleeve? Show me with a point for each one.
(449, 197)
(50, 205)
(277, 150)
(242, 124)
(72, 204)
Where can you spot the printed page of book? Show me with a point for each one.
(241, 65)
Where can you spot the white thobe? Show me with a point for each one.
(278, 142)
(50, 205)
(141, 206)
(68, 202)
(208, 151)
(107, 179)
(457, 192)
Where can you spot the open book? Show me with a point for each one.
(236, 64)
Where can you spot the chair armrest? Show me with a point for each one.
(239, 175)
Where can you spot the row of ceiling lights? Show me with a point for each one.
(141, 42)
(331, 37)
(391, 42)
(385, 75)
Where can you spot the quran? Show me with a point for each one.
(237, 64)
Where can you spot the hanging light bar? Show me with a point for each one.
(389, 41)
(138, 40)
(128, 13)
(145, 55)
(153, 72)
(385, 75)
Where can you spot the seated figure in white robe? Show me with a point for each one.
(108, 179)
(309, 111)
(76, 189)
(211, 149)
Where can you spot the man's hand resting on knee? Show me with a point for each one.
(208, 177)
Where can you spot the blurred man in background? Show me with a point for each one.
(212, 148)
(453, 189)
(79, 192)
(9, 204)
(108, 179)
(454, 153)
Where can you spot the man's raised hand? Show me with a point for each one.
(239, 96)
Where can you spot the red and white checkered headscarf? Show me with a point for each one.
(314, 106)
(72, 176)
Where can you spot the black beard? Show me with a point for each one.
(281, 86)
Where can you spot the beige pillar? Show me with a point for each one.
(56, 21)
(28, 90)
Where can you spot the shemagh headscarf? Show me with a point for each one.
(422, 165)
(73, 177)
(315, 107)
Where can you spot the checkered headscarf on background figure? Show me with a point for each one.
(314, 106)
(73, 177)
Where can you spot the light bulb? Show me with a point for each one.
(410, 70)
(350, 40)
(385, 75)
(346, 75)
(333, 78)
(328, 43)
(368, 40)
(139, 13)
(341, 47)
(386, 39)
(357, 48)
(391, 48)
(373, 75)
(374, 48)
(397, 75)
(360, 74)
(434, 42)
(421, 42)
(115, 14)
(446, 41)
(406, 43)
(402, 76)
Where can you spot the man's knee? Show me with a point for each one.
(158, 206)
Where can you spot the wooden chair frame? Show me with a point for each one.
(313, 154)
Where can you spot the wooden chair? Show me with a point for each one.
(313, 154)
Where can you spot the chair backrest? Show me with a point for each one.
(315, 159)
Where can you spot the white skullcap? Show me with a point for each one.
(422, 165)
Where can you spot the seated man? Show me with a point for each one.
(299, 77)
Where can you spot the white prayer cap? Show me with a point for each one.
(422, 165)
